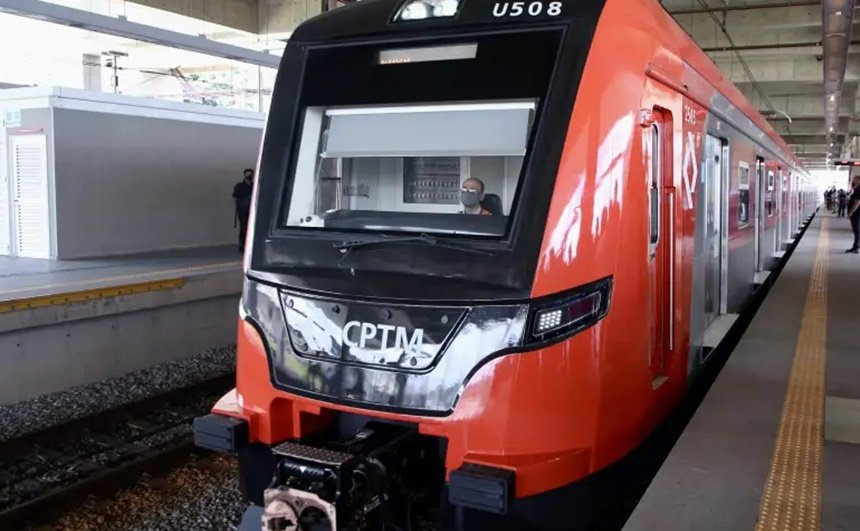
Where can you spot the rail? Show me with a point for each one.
(50, 471)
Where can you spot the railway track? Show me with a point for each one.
(46, 472)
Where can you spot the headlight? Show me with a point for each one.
(424, 9)
(571, 312)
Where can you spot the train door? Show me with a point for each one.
(785, 193)
(770, 209)
(661, 197)
(795, 204)
(780, 184)
(792, 205)
(761, 186)
(714, 237)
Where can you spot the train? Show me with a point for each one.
(489, 241)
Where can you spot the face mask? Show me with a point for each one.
(470, 198)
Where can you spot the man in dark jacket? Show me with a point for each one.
(854, 214)
(242, 196)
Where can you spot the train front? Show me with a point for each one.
(393, 360)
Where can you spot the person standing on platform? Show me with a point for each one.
(843, 203)
(854, 214)
(242, 196)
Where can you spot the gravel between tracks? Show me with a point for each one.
(63, 406)
(200, 496)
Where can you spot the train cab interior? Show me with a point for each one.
(411, 168)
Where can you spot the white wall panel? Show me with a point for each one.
(129, 184)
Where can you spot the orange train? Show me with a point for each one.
(404, 362)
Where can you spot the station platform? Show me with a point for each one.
(26, 278)
(73, 322)
(775, 444)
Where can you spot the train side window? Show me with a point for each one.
(769, 199)
(743, 194)
(654, 186)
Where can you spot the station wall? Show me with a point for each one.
(129, 184)
(86, 175)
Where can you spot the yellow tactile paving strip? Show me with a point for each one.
(71, 297)
(66, 294)
(792, 496)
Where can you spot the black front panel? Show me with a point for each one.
(538, 57)
(368, 19)
(508, 66)
(467, 294)
(480, 335)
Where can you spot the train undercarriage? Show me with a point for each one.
(361, 474)
(380, 476)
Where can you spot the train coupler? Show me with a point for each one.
(353, 484)
(294, 510)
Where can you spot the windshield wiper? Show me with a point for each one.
(348, 246)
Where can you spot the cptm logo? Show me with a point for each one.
(385, 333)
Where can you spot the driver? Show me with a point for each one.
(471, 195)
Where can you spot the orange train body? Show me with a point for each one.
(656, 137)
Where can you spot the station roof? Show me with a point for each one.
(771, 49)
(774, 51)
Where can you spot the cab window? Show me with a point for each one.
(436, 168)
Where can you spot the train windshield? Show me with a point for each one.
(444, 145)
(443, 168)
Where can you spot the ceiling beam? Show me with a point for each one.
(120, 27)
(772, 5)
(238, 14)
(768, 46)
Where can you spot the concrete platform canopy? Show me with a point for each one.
(776, 52)
(221, 52)
(256, 16)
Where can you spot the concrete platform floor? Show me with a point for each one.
(71, 323)
(27, 277)
(776, 442)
